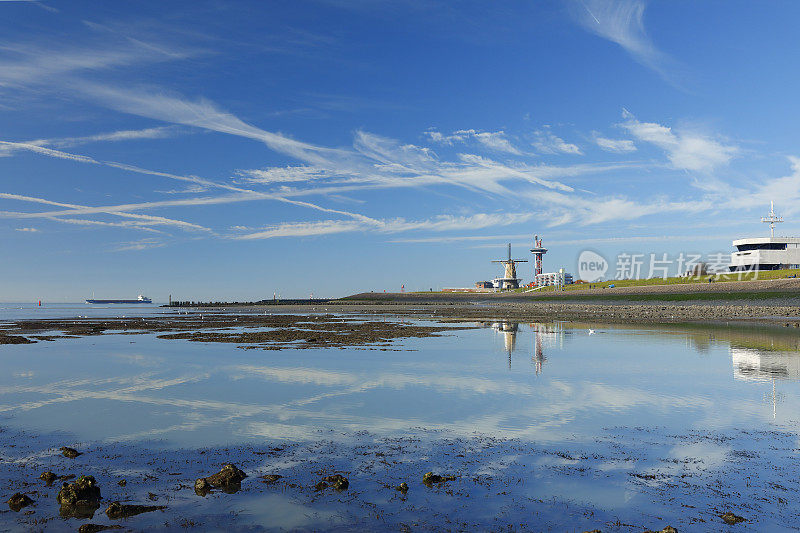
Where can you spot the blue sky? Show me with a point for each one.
(213, 150)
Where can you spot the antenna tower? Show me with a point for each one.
(772, 219)
(538, 252)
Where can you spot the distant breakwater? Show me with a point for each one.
(277, 301)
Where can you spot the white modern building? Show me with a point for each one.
(554, 278)
(766, 253)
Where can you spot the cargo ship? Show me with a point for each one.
(140, 300)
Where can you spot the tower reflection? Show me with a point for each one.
(761, 365)
(545, 336)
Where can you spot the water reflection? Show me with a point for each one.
(760, 365)
(751, 364)
(545, 336)
(140, 387)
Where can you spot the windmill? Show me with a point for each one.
(509, 279)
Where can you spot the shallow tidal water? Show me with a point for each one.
(555, 426)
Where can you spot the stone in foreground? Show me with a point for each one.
(79, 499)
(337, 481)
(229, 480)
(18, 501)
(117, 510)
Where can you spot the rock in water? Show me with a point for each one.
(337, 481)
(95, 528)
(430, 478)
(229, 479)
(14, 339)
(48, 477)
(402, 487)
(731, 519)
(18, 501)
(79, 499)
(118, 510)
(71, 453)
(271, 478)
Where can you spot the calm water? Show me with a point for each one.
(589, 411)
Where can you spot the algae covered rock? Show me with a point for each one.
(731, 519)
(84, 489)
(429, 478)
(271, 478)
(48, 477)
(79, 499)
(14, 339)
(117, 510)
(229, 480)
(95, 528)
(18, 501)
(68, 452)
(402, 487)
(336, 481)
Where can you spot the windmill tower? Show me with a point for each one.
(538, 252)
(509, 279)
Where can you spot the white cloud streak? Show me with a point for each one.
(438, 223)
(686, 150)
(161, 132)
(617, 146)
(136, 246)
(372, 162)
(622, 22)
(494, 140)
(547, 142)
(136, 219)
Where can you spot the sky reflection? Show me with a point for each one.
(537, 382)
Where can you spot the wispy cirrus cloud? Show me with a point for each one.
(288, 174)
(438, 223)
(242, 194)
(134, 219)
(137, 246)
(622, 22)
(685, 149)
(373, 161)
(546, 142)
(25, 64)
(617, 146)
(493, 140)
(160, 132)
(202, 113)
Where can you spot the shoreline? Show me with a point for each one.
(775, 301)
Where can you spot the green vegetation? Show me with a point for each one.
(718, 278)
(677, 297)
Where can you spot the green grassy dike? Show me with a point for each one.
(718, 278)
(670, 297)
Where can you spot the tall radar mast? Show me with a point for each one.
(772, 219)
(538, 252)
